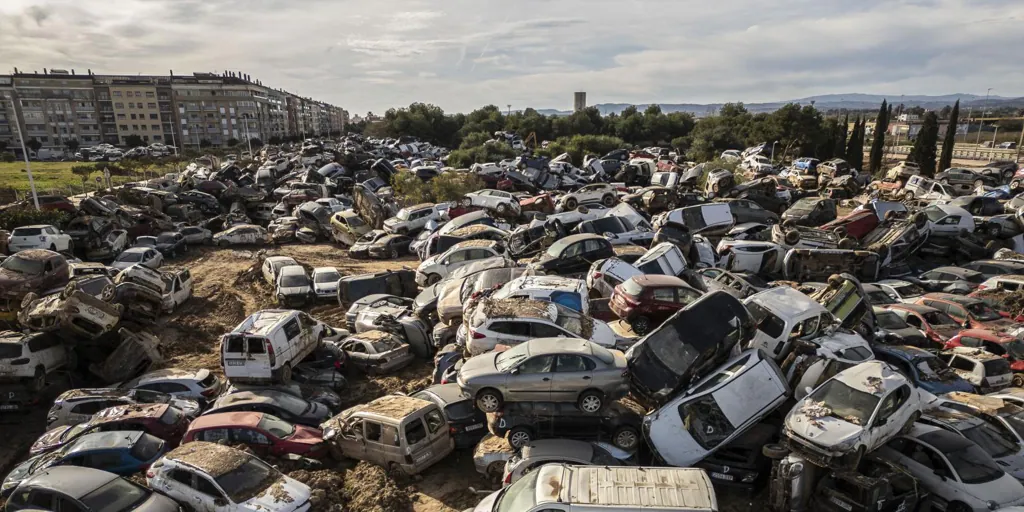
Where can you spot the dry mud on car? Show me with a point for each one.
(136, 353)
(818, 264)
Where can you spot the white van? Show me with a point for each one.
(665, 258)
(571, 293)
(569, 488)
(267, 344)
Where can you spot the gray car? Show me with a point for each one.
(85, 489)
(889, 323)
(549, 370)
(562, 451)
(282, 404)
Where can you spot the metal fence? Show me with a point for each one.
(967, 152)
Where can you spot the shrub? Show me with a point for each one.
(448, 186)
(7, 157)
(489, 152)
(27, 216)
(579, 145)
(409, 189)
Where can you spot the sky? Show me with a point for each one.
(464, 54)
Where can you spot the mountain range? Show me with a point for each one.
(852, 101)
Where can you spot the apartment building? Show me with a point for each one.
(186, 111)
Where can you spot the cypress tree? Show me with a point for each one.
(840, 150)
(878, 144)
(946, 159)
(924, 147)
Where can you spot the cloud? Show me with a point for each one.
(375, 55)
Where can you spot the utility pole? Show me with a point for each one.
(248, 140)
(983, 114)
(970, 112)
(24, 150)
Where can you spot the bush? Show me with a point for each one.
(409, 189)
(489, 152)
(716, 164)
(27, 216)
(7, 157)
(448, 186)
(579, 145)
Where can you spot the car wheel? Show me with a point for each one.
(394, 253)
(626, 438)
(774, 451)
(38, 381)
(908, 195)
(590, 402)
(502, 209)
(495, 471)
(433, 279)
(222, 243)
(519, 437)
(489, 400)
(641, 325)
(835, 281)
(608, 200)
(1018, 381)
(792, 237)
(286, 374)
(944, 181)
(1015, 184)
(919, 219)
(847, 243)
(571, 203)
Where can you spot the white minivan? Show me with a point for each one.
(268, 344)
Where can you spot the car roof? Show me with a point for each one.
(262, 322)
(544, 282)
(131, 411)
(786, 301)
(959, 299)
(35, 226)
(275, 259)
(569, 448)
(174, 374)
(905, 352)
(986, 334)
(90, 393)
(952, 417)
(73, 481)
(656, 280)
(394, 407)
(978, 354)
(950, 209)
(516, 307)
(916, 308)
(292, 269)
(325, 269)
(105, 441)
(447, 393)
(938, 437)
(538, 346)
(955, 270)
(213, 459)
(473, 243)
(227, 419)
(874, 377)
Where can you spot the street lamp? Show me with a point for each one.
(24, 152)
(248, 140)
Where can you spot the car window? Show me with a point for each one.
(415, 432)
(292, 329)
(205, 486)
(542, 330)
(249, 436)
(573, 250)
(67, 505)
(570, 363)
(182, 476)
(664, 295)
(538, 364)
(371, 431)
(961, 363)
(42, 500)
(434, 420)
(511, 328)
(594, 245)
(213, 435)
(705, 421)
(892, 403)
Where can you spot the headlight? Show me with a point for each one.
(329, 433)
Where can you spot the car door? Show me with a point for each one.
(927, 465)
(209, 494)
(531, 380)
(663, 302)
(350, 439)
(573, 374)
(891, 416)
(178, 485)
(511, 332)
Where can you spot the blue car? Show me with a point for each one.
(120, 452)
(922, 367)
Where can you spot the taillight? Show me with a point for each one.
(981, 287)
(150, 474)
(508, 478)
(270, 351)
(453, 430)
(598, 275)
(477, 335)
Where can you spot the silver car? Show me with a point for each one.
(549, 370)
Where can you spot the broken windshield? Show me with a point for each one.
(843, 402)
(706, 422)
(983, 312)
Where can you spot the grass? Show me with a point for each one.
(57, 177)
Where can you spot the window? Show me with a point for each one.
(213, 435)
(206, 487)
(511, 328)
(892, 403)
(249, 436)
(131, 105)
(706, 422)
(291, 329)
(664, 295)
(122, 127)
(42, 500)
(182, 476)
(960, 363)
(149, 105)
(144, 128)
(117, 94)
(121, 117)
(572, 363)
(371, 431)
(154, 116)
(155, 127)
(415, 432)
(434, 420)
(89, 407)
(67, 505)
(150, 94)
(573, 250)
(133, 116)
(540, 364)
(540, 330)
(135, 127)
(594, 245)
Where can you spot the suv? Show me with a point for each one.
(201, 385)
(986, 371)
(78, 405)
(39, 237)
(434, 268)
(645, 301)
(29, 358)
(412, 219)
(595, 193)
(403, 434)
(523, 422)
(513, 321)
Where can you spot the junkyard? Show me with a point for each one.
(296, 331)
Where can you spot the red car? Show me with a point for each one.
(645, 301)
(57, 203)
(936, 325)
(159, 420)
(263, 433)
(998, 343)
(857, 224)
(972, 313)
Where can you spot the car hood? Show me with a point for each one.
(294, 290)
(427, 263)
(487, 504)
(187, 406)
(479, 366)
(48, 440)
(1004, 491)
(392, 221)
(19, 473)
(14, 284)
(325, 287)
(283, 495)
(826, 431)
(427, 296)
(603, 334)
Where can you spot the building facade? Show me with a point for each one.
(579, 101)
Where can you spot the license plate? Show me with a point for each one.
(423, 457)
(235, 362)
(475, 427)
(844, 505)
(722, 476)
(8, 407)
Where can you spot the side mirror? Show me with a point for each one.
(881, 422)
(514, 371)
(966, 324)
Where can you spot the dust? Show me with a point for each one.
(516, 307)
(1011, 302)
(327, 488)
(395, 406)
(369, 488)
(279, 493)
(876, 384)
(375, 336)
(492, 444)
(216, 460)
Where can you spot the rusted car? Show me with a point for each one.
(376, 352)
(886, 189)
(654, 199)
(88, 316)
(818, 264)
(29, 271)
(97, 238)
(135, 355)
(542, 203)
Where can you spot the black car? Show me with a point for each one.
(741, 465)
(522, 422)
(811, 211)
(967, 177)
(468, 425)
(171, 243)
(392, 282)
(993, 268)
(390, 247)
(693, 340)
(979, 206)
(205, 202)
(574, 254)
(746, 210)
(876, 486)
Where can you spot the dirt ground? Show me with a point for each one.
(228, 286)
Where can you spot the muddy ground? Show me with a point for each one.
(228, 286)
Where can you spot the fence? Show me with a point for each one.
(11, 195)
(967, 153)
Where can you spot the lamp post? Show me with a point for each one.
(248, 140)
(24, 152)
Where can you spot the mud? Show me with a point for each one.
(368, 488)
(1010, 302)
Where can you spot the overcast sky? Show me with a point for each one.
(462, 54)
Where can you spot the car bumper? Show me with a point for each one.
(421, 279)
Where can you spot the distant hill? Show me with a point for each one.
(852, 101)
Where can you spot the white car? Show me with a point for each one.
(853, 413)
(332, 204)
(731, 155)
(717, 409)
(701, 218)
(198, 385)
(325, 282)
(751, 256)
(900, 290)
(273, 264)
(242, 234)
(412, 219)
(948, 220)
(145, 256)
(437, 267)
(602, 193)
(511, 322)
(196, 236)
(216, 478)
(954, 470)
(782, 315)
(606, 274)
(31, 357)
(39, 237)
(500, 201)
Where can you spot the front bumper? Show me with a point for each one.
(421, 279)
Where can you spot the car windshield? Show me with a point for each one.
(939, 318)
(804, 205)
(704, 419)
(844, 402)
(145, 241)
(934, 214)
(508, 359)
(355, 222)
(114, 496)
(328, 277)
(606, 225)
(890, 320)
(766, 321)
(879, 297)
(909, 290)
(403, 215)
(147, 447)
(1015, 349)
(570, 321)
(996, 367)
(130, 257)
(931, 367)
(276, 426)
(294, 281)
(247, 480)
(519, 496)
(27, 232)
(289, 403)
(973, 465)
(20, 265)
(982, 311)
(996, 442)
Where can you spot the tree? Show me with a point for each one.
(232, 142)
(840, 147)
(134, 141)
(946, 111)
(275, 140)
(205, 143)
(878, 144)
(3, 146)
(72, 145)
(855, 147)
(255, 142)
(34, 144)
(923, 151)
(948, 143)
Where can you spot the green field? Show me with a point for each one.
(56, 177)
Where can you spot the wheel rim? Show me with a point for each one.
(518, 439)
(640, 325)
(489, 403)
(591, 404)
(625, 439)
(496, 469)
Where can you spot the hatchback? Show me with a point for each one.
(645, 301)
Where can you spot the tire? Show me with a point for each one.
(1008, 175)
(840, 231)
(774, 451)
(789, 223)
(920, 219)
(394, 253)
(956, 506)
(502, 209)
(908, 195)
(286, 374)
(495, 471)
(714, 188)
(979, 183)
(433, 279)
(38, 381)
(944, 181)
(608, 200)
(791, 237)
(489, 400)
(222, 243)
(847, 243)
(1014, 184)
(519, 437)
(590, 402)
(1018, 380)
(626, 438)
(571, 203)
(641, 325)
(108, 293)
